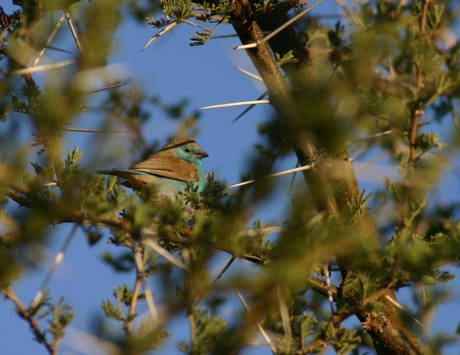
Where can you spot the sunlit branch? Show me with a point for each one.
(140, 279)
(150, 302)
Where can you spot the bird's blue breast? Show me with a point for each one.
(169, 187)
(201, 183)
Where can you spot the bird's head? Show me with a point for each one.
(186, 149)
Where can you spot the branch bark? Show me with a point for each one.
(332, 182)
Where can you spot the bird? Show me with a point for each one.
(176, 165)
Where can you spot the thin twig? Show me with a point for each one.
(329, 290)
(90, 130)
(132, 305)
(109, 87)
(232, 259)
(250, 107)
(139, 262)
(424, 15)
(57, 261)
(58, 49)
(212, 33)
(27, 316)
(377, 135)
(161, 33)
(140, 270)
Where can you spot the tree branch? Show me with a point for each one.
(332, 185)
(28, 317)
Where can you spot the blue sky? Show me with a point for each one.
(173, 70)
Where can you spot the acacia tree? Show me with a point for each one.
(382, 76)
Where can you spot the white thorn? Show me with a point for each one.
(235, 104)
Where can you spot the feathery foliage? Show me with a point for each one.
(380, 82)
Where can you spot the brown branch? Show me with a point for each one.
(192, 322)
(319, 342)
(133, 303)
(79, 217)
(417, 113)
(332, 185)
(425, 4)
(28, 317)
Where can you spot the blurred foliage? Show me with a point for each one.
(386, 74)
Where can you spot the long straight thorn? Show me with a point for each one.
(235, 104)
(50, 38)
(72, 29)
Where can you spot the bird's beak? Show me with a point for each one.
(201, 154)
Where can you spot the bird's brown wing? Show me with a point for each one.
(167, 164)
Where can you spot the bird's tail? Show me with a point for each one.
(114, 172)
(120, 172)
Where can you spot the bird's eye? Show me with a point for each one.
(187, 150)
